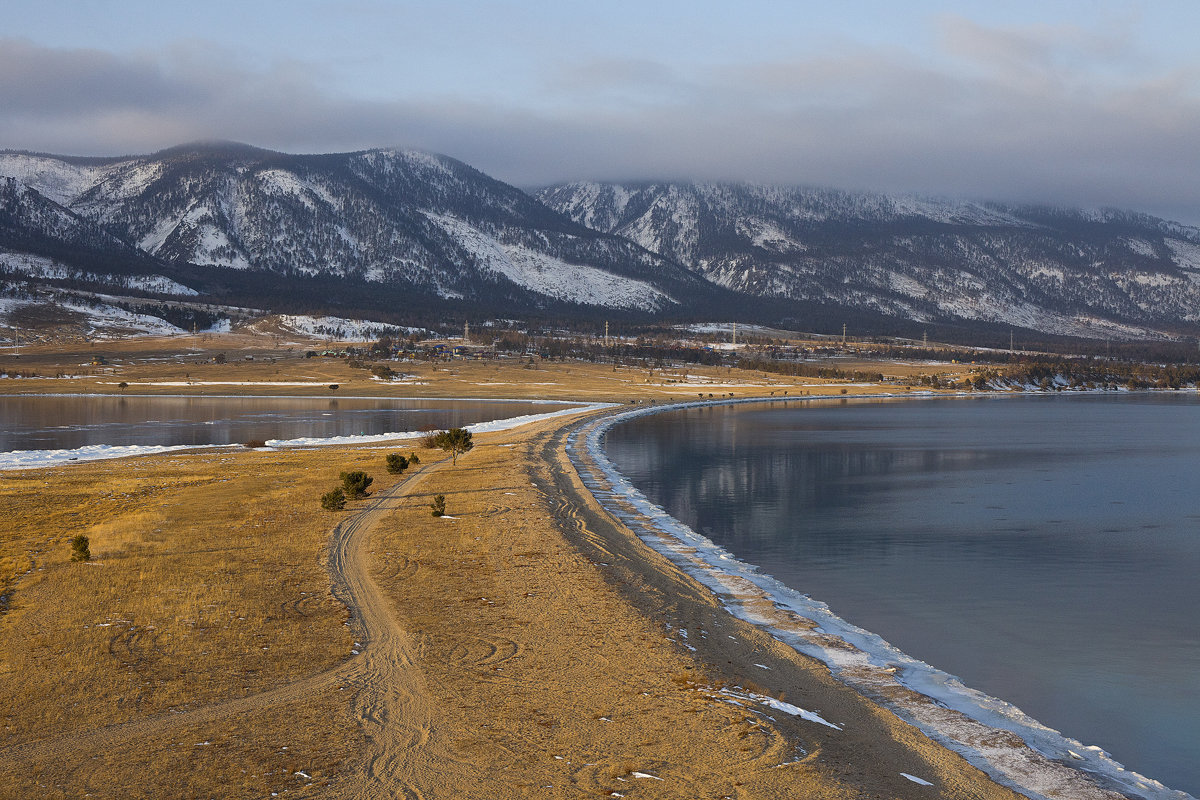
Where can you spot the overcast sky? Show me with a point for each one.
(1088, 103)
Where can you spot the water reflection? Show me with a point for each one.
(60, 423)
(1044, 549)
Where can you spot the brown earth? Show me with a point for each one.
(523, 645)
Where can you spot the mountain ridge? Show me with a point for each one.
(386, 227)
(1091, 273)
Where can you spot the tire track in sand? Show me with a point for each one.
(404, 749)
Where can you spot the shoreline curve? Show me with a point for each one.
(1011, 747)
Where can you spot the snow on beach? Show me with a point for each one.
(36, 459)
(958, 717)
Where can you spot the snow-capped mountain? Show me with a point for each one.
(1084, 273)
(404, 219)
(387, 231)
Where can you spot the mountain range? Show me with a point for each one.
(387, 232)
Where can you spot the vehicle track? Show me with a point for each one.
(404, 749)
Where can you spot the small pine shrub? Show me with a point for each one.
(355, 484)
(334, 500)
(413, 459)
(80, 551)
(396, 463)
(438, 505)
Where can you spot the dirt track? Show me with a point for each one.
(390, 701)
(565, 680)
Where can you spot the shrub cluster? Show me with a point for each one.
(354, 485)
(455, 441)
(438, 505)
(333, 500)
(80, 550)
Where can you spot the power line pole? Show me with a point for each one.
(735, 334)
(606, 333)
(843, 333)
(466, 331)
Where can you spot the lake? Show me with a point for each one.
(1044, 549)
(68, 422)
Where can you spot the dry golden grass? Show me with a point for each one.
(142, 363)
(207, 583)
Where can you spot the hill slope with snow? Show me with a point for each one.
(401, 218)
(1058, 271)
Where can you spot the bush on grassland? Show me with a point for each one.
(80, 551)
(355, 484)
(334, 500)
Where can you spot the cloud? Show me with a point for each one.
(1041, 114)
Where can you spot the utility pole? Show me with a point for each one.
(1011, 349)
(466, 331)
(843, 333)
(735, 334)
(606, 333)
(925, 339)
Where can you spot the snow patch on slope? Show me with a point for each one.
(57, 180)
(1185, 254)
(550, 276)
(49, 269)
(104, 321)
(338, 328)
(769, 236)
(281, 181)
(1141, 247)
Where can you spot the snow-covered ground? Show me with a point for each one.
(551, 276)
(103, 320)
(339, 329)
(46, 268)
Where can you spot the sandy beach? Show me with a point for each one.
(232, 639)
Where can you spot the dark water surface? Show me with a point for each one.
(67, 422)
(1044, 549)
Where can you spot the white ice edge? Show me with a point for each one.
(36, 459)
(1050, 767)
(478, 427)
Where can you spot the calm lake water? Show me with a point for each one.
(1044, 549)
(61, 423)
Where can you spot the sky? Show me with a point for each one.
(1070, 102)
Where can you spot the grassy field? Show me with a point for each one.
(136, 674)
(254, 363)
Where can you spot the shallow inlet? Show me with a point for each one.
(69, 421)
